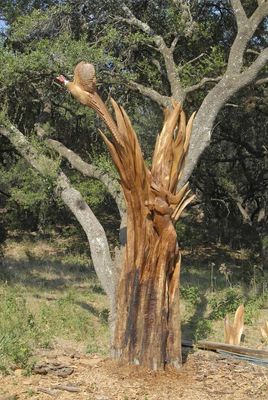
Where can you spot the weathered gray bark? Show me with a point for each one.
(91, 171)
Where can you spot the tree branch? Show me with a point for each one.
(232, 81)
(245, 29)
(174, 44)
(161, 100)
(186, 16)
(261, 81)
(201, 84)
(259, 14)
(90, 171)
(251, 72)
(99, 247)
(239, 12)
(176, 88)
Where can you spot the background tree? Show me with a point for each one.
(232, 174)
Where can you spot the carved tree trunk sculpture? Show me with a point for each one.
(147, 329)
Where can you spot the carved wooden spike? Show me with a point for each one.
(233, 332)
(188, 132)
(171, 148)
(182, 129)
(264, 331)
(120, 121)
(182, 207)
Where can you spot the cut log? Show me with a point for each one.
(232, 349)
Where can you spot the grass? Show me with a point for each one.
(48, 294)
(44, 299)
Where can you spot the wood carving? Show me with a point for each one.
(264, 331)
(147, 330)
(233, 332)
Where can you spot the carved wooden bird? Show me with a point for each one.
(83, 88)
(84, 82)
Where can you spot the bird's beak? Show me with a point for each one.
(60, 78)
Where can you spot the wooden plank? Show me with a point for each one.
(216, 346)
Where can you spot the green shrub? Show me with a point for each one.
(228, 300)
(225, 302)
(190, 294)
(253, 306)
(203, 329)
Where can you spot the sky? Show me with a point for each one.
(3, 25)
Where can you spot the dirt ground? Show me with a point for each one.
(204, 375)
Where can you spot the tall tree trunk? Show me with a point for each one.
(148, 319)
(147, 326)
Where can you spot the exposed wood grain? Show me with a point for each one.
(147, 330)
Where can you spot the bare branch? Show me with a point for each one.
(251, 51)
(91, 171)
(163, 101)
(259, 14)
(186, 16)
(251, 72)
(174, 44)
(193, 60)
(201, 84)
(246, 28)
(132, 20)
(261, 81)
(243, 211)
(177, 90)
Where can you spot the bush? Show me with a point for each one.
(203, 329)
(190, 294)
(224, 303)
(227, 302)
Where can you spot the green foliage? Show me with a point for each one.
(104, 163)
(225, 302)
(211, 63)
(190, 294)
(30, 194)
(228, 300)
(203, 329)
(31, 27)
(253, 306)
(92, 191)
